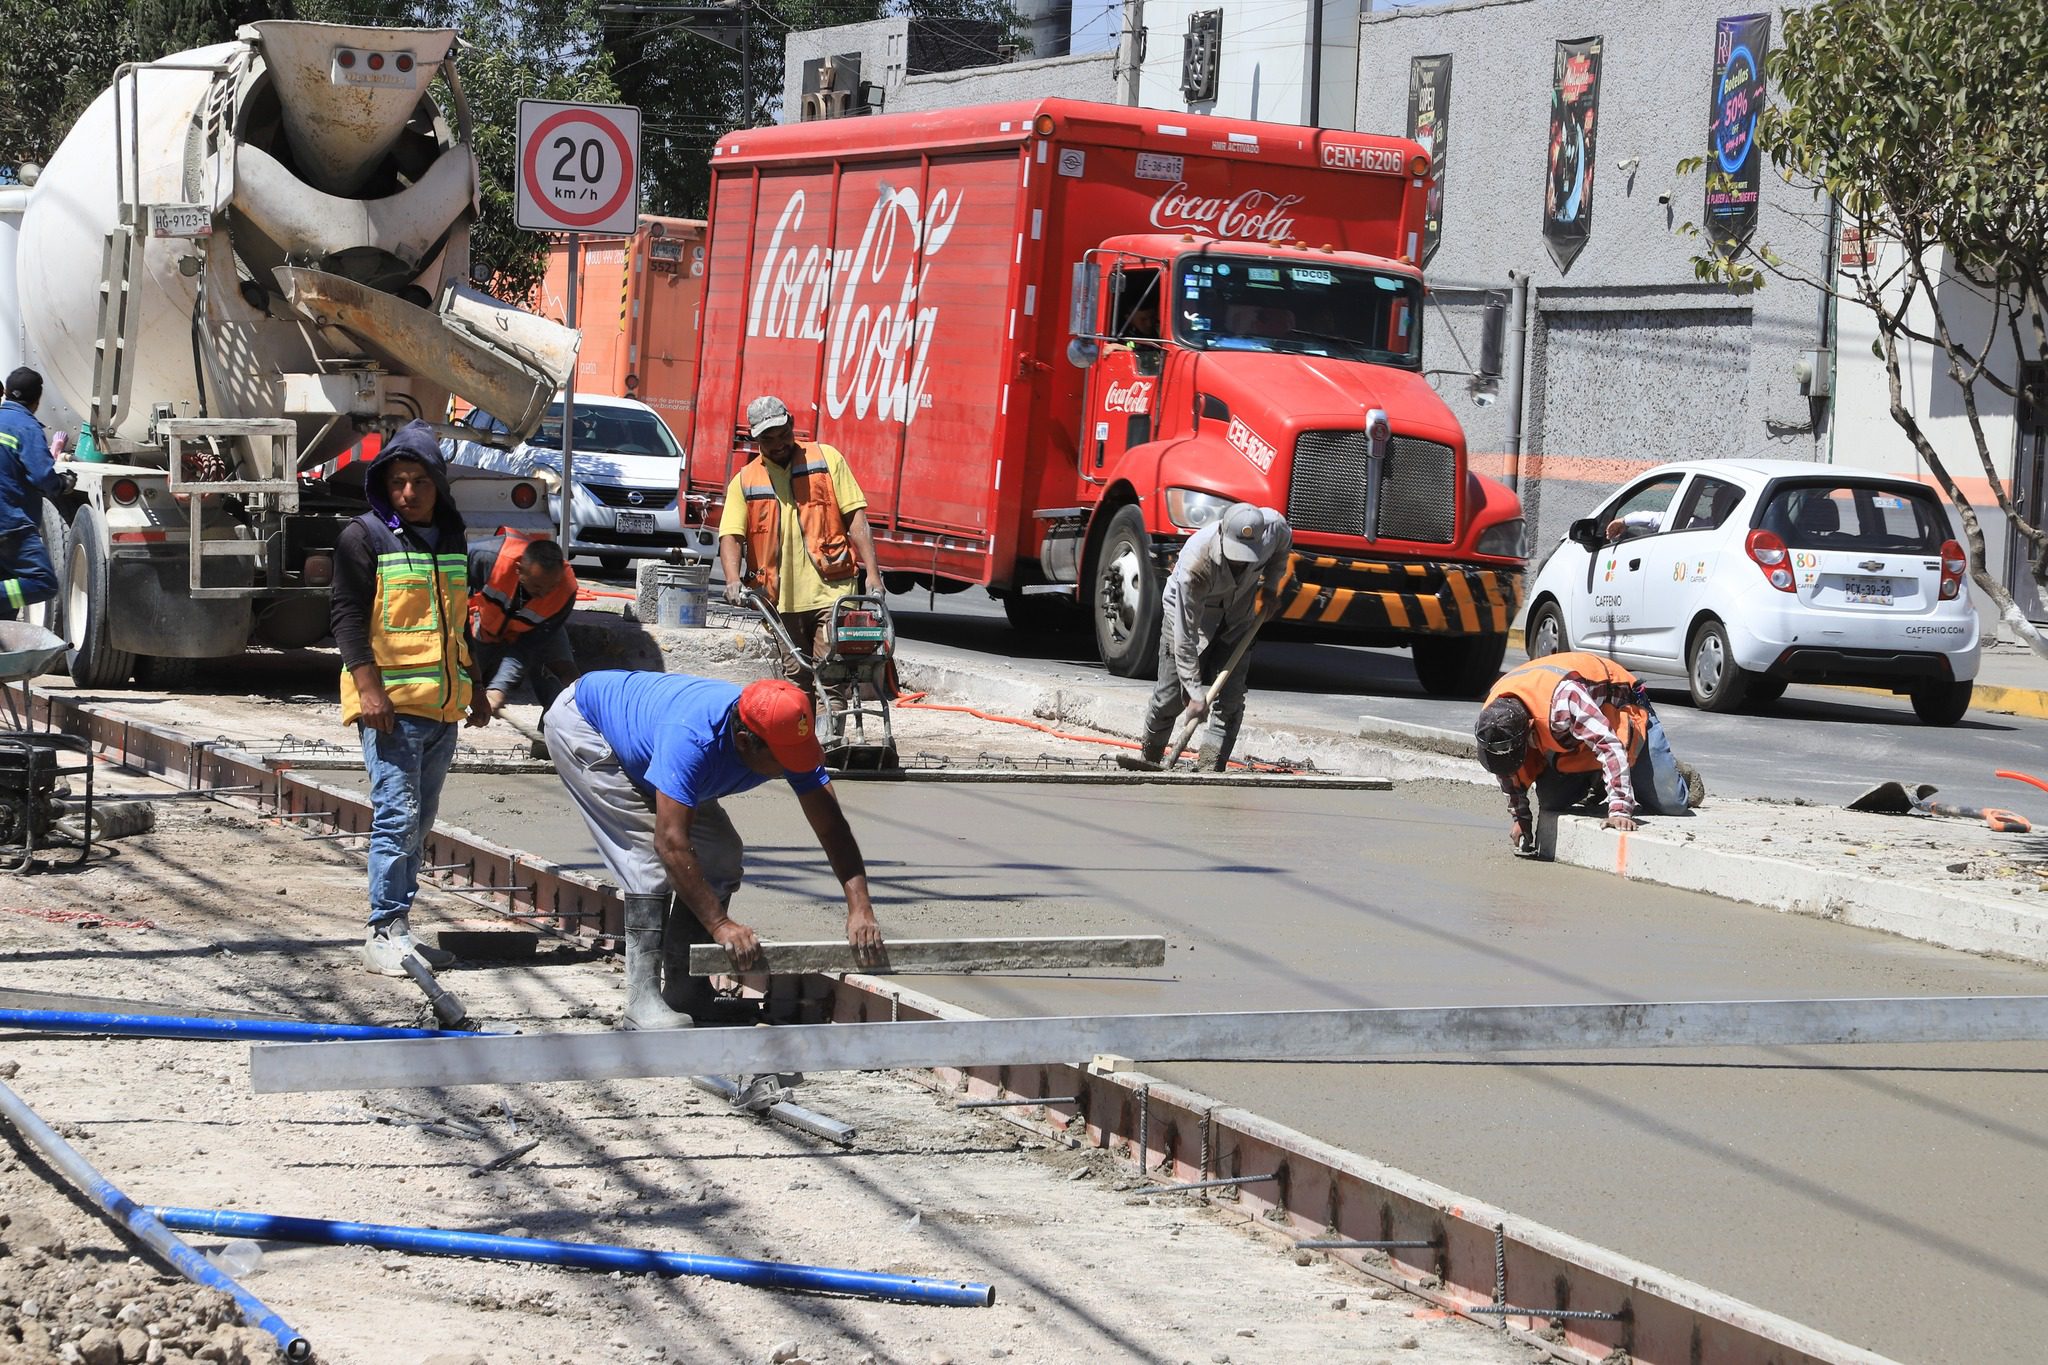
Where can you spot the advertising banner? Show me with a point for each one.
(1574, 113)
(1734, 165)
(1429, 123)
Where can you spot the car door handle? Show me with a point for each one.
(1635, 563)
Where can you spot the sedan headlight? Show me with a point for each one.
(1191, 509)
(1509, 540)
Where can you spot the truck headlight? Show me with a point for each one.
(1509, 540)
(1191, 510)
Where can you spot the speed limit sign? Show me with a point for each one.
(579, 167)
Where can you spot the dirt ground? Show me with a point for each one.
(218, 910)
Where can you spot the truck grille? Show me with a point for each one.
(651, 499)
(1418, 488)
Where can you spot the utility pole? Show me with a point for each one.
(1130, 54)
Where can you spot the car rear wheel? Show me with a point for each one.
(1459, 666)
(1546, 632)
(613, 564)
(1942, 703)
(1718, 682)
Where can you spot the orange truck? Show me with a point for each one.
(637, 304)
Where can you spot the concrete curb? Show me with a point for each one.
(1941, 916)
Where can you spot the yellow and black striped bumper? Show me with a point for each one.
(1426, 598)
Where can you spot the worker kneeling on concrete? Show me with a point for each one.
(647, 757)
(1224, 586)
(1566, 722)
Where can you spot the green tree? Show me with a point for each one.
(1926, 121)
(59, 57)
(684, 73)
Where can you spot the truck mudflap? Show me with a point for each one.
(1428, 598)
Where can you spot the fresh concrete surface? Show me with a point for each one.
(1889, 1197)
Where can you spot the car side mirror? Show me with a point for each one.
(1588, 532)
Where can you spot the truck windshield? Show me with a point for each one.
(1242, 303)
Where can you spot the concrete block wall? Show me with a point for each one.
(1631, 361)
(1091, 76)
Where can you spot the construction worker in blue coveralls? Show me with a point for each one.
(27, 476)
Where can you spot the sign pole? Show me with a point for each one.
(568, 507)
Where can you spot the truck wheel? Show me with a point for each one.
(94, 662)
(1545, 634)
(1459, 665)
(1718, 682)
(1127, 593)
(1942, 703)
(50, 615)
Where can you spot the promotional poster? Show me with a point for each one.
(1574, 113)
(1429, 123)
(1734, 165)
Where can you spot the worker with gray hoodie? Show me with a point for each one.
(399, 610)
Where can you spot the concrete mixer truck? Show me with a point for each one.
(243, 263)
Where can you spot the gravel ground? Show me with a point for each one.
(218, 910)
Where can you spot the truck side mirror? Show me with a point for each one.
(1588, 532)
(1087, 288)
(1083, 352)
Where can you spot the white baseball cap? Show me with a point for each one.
(765, 414)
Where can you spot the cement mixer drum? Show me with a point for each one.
(176, 228)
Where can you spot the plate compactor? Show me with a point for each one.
(851, 679)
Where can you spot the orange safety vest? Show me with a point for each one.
(817, 511)
(493, 619)
(1535, 683)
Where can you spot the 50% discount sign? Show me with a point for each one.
(579, 168)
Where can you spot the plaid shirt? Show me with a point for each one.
(1576, 721)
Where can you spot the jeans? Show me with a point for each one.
(1659, 787)
(532, 667)
(26, 575)
(407, 767)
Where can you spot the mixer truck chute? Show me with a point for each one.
(242, 262)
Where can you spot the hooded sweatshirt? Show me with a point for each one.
(401, 592)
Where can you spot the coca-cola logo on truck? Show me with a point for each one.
(1133, 399)
(1255, 215)
(879, 338)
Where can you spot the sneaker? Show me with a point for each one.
(386, 945)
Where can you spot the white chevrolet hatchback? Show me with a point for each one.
(1743, 576)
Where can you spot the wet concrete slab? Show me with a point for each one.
(1890, 1197)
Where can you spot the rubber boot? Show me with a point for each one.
(1214, 755)
(680, 991)
(644, 931)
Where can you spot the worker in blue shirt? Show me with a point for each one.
(647, 758)
(26, 476)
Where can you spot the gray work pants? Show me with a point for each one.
(1163, 711)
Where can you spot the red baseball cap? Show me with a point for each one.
(780, 713)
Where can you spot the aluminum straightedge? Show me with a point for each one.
(1282, 1035)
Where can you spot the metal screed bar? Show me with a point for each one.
(943, 955)
(1284, 1035)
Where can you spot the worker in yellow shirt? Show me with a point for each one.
(802, 522)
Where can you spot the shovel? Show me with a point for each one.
(1185, 731)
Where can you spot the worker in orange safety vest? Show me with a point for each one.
(521, 592)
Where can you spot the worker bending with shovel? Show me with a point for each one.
(647, 758)
(1224, 586)
(1572, 726)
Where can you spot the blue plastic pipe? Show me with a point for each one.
(206, 1026)
(582, 1255)
(146, 1226)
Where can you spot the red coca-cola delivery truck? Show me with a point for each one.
(636, 304)
(1055, 338)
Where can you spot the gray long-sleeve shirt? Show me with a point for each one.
(1208, 598)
